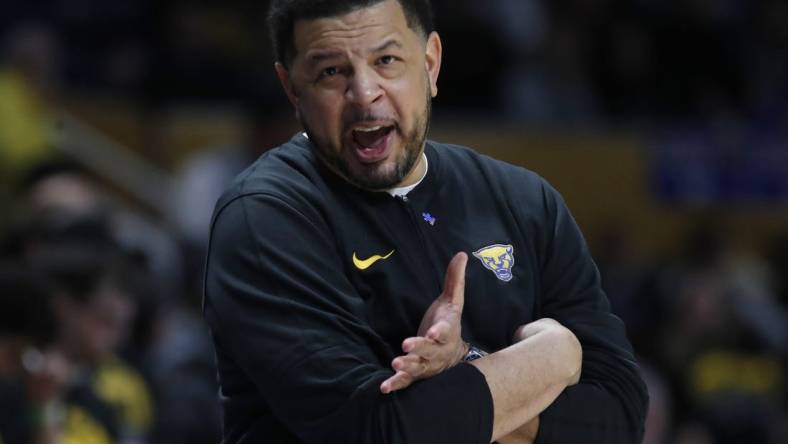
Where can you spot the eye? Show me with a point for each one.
(329, 72)
(387, 60)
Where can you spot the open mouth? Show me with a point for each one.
(372, 143)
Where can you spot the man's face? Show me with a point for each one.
(92, 330)
(362, 84)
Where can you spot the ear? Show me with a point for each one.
(434, 53)
(287, 84)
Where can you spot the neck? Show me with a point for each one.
(416, 173)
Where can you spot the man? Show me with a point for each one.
(327, 254)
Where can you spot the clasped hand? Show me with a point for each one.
(438, 344)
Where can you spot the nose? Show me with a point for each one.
(364, 87)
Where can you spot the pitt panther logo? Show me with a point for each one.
(499, 259)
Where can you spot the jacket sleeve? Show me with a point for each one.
(280, 306)
(609, 403)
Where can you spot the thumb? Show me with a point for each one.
(454, 284)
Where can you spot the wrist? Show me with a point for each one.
(461, 352)
(473, 353)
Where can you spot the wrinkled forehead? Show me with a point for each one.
(359, 30)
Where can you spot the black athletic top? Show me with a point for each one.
(312, 284)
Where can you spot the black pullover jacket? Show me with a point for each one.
(312, 284)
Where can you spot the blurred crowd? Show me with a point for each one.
(558, 62)
(97, 342)
(101, 339)
(710, 328)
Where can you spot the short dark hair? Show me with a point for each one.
(282, 15)
(77, 270)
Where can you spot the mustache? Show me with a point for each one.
(366, 117)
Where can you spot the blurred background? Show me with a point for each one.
(663, 123)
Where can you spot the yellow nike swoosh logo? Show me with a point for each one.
(366, 263)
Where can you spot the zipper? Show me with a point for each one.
(406, 203)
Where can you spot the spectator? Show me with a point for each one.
(94, 307)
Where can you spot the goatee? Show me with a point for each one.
(378, 177)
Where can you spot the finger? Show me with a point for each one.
(410, 343)
(422, 347)
(454, 284)
(413, 365)
(399, 381)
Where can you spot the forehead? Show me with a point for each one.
(358, 29)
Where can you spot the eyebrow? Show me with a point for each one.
(319, 56)
(389, 43)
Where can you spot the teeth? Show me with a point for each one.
(368, 130)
